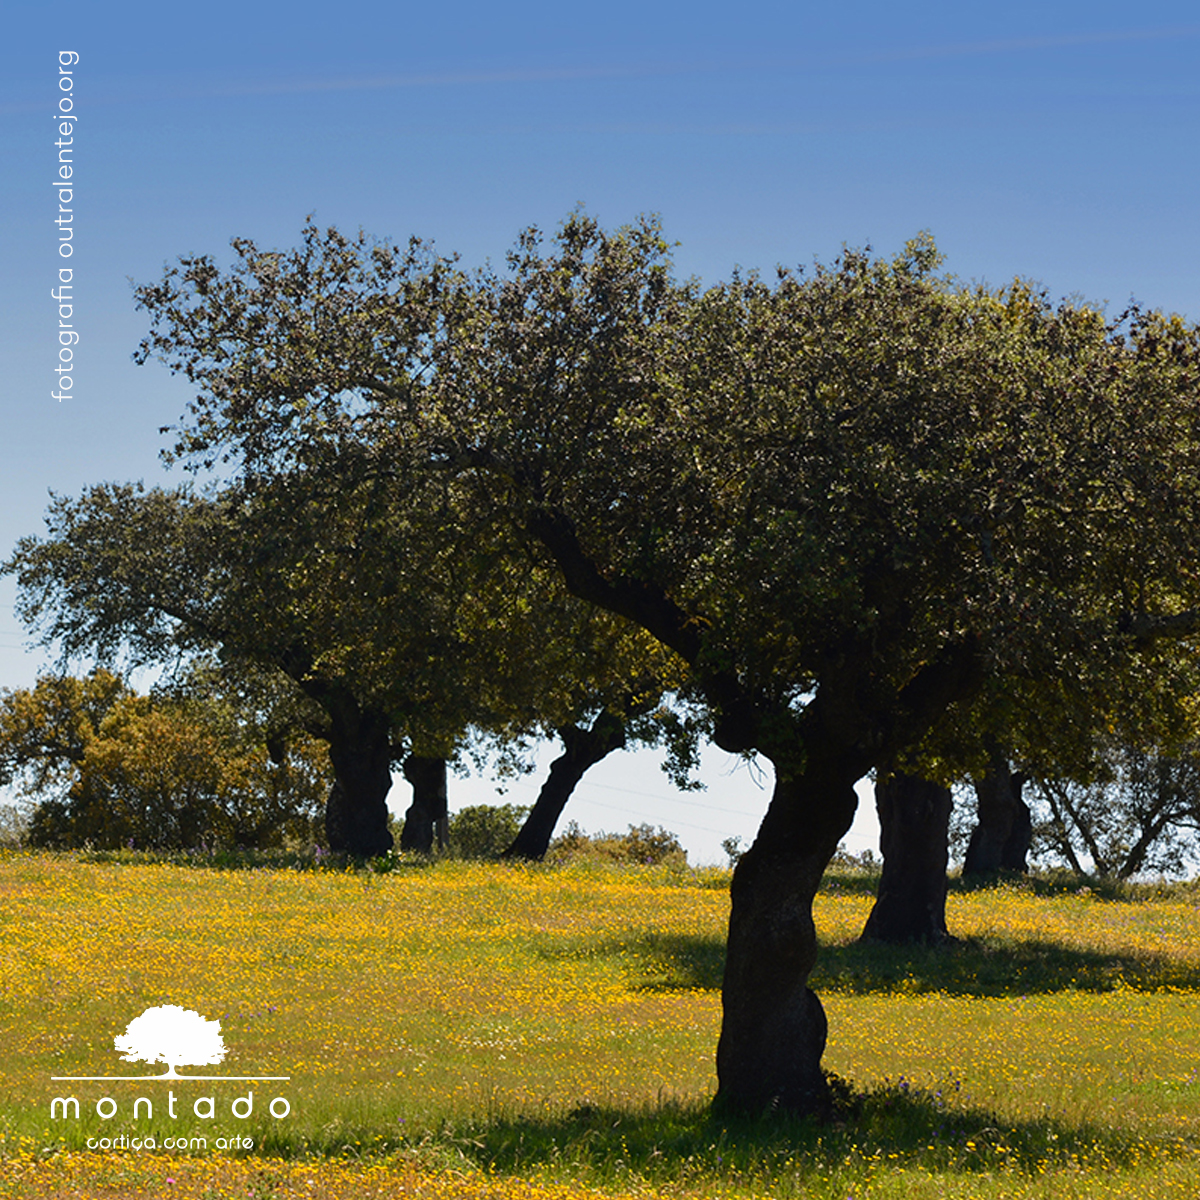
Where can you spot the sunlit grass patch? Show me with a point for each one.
(517, 1031)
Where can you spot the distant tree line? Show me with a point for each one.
(110, 768)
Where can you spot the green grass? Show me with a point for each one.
(556, 1026)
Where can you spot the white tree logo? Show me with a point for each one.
(174, 1035)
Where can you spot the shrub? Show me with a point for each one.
(640, 844)
(485, 830)
(109, 768)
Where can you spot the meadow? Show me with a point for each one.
(476, 1030)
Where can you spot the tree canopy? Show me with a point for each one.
(110, 768)
(1141, 813)
(873, 452)
(872, 511)
(406, 632)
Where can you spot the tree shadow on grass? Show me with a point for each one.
(993, 967)
(967, 967)
(892, 1126)
(1061, 882)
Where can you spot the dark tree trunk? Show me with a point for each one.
(583, 748)
(1015, 854)
(773, 1027)
(914, 822)
(356, 815)
(427, 816)
(1002, 835)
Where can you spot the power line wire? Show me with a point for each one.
(635, 813)
(676, 799)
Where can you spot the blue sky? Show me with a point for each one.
(1055, 141)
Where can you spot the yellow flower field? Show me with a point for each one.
(480, 1030)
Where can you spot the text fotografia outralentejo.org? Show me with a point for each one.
(68, 336)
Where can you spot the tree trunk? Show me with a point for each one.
(914, 822)
(1002, 835)
(356, 815)
(427, 816)
(583, 748)
(773, 1026)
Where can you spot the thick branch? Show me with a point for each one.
(645, 604)
(638, 601)
(887, 729)
(1147, 628)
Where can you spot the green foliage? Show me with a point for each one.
(45, 731)
(940, 481)
(968, 509)
(641, 845)
(844, 863)
(372, 609)
(485, 830)
(108, 768)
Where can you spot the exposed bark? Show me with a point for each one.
(1004, 831)
(427, 817)
(1014, 855)
(914, 822)
(583, 748)
(773, 1028)
(356, 815)
(641, 601)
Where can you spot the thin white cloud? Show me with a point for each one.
(647, 70)
(816, 63)
(1019, 45)
(448, 79)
